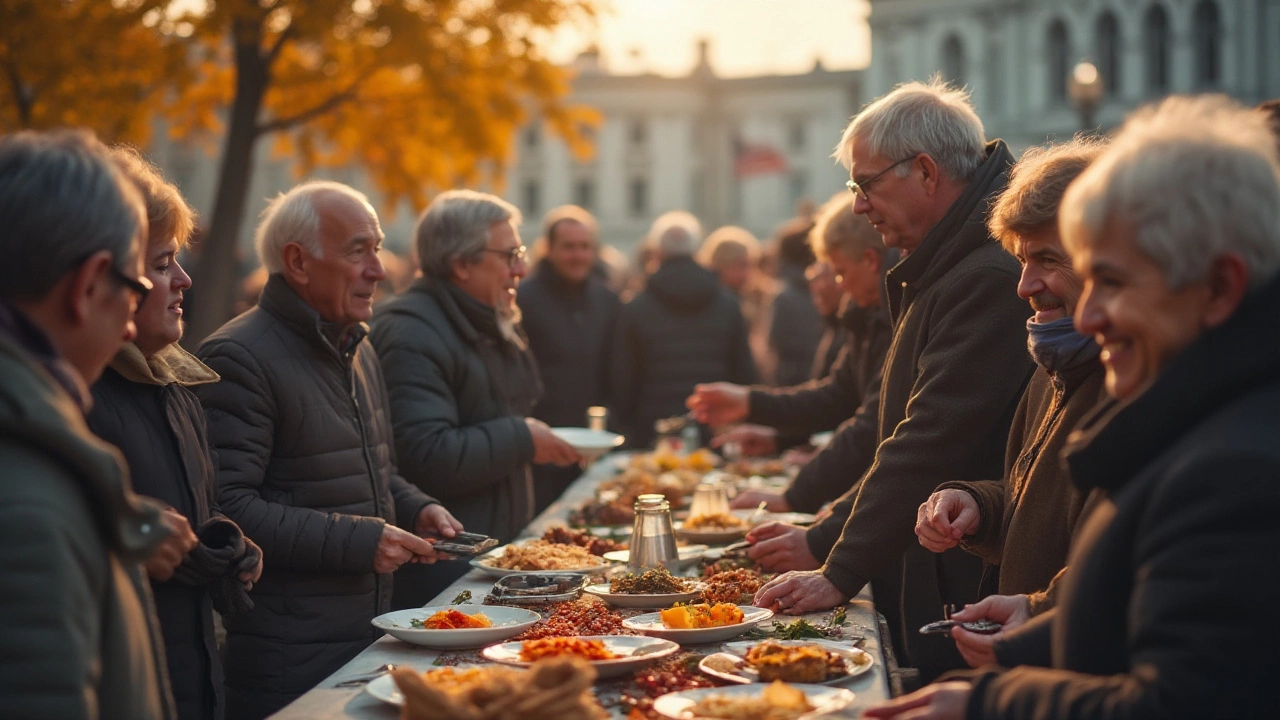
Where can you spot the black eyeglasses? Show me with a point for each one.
(514, 255)
(138, 286)
(860, 188)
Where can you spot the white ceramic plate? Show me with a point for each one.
(507, 622)
(792, 518)
(651, 624)
(384, 688)
(590, 444)
(625, 600)
(634, 653)
(823, 699)
(686, 555)
(711, 536)
(730, 666)
(481, 563)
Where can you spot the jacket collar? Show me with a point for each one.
(172, 365)
(279, 299)
(1120, 438)
(474, 323)
(39, 413)
(20, 330)
(557, 282)
(961, 231)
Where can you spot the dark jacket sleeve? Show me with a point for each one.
(741, 365)
(241, 415)
(812, 407)
(833, 472)
(1202, 637)
(440, 456)
(793, 335)
(988, 542)
(971, 373)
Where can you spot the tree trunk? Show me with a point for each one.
(216, 280)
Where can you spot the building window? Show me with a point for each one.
(1058, 61)
(1107, 36)
(532, 197)
(1156, 49)
(639, 198)
(953, 60)
(638, 133)
(584, 194)
(532, 136)
(1208, 44)
(796, 139)
(995, 78)
(798, 187)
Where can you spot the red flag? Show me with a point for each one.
(752, 160)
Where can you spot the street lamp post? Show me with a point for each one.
(1085, 88)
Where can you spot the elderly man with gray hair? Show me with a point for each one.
(684, 328)
(306, 464)
(924, 175)
(78, 635)
(462, 379)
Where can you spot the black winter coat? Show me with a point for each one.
(834, 337)
(953, 376)
(795, 329)
(683, 329)
(1168, 606)
(306, 467)
(159, 426)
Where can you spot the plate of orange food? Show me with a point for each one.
(452, 627)
(701, 623)
(610, 655)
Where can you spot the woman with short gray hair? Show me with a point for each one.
(461, 378)
(1169, 605)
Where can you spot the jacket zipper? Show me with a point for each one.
(348, 361)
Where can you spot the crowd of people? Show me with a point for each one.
(1052, 385)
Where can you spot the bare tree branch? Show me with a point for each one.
(284, 123)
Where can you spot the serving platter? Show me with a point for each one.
(678, 705)
(633, 653)
(732, 667)
(644, 600)
(484, 564)
(651, 624)
(507, 622)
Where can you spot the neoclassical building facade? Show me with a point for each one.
(1015, 55)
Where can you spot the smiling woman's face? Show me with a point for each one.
(1128, 307)
(159, 319)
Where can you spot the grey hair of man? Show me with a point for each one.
(838, 228)
(292, 217)
(675, 234)
(456, 226)
(931, 118)
(1189, 179)
(62, 199)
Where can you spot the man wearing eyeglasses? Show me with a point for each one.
(924, 175)
(461, 378)
(78, 635)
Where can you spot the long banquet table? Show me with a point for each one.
(325, 702)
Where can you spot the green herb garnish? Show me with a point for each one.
(463, 597)
(838, 618)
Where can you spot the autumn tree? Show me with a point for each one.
(423, 94)
(87, 63)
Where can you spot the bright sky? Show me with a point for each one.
(748, 37)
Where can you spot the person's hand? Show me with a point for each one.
(436, 522)
(945, 518)
(754, 440)
(940, 701)
(169, 553)
(780, 547)
(719, 403)
(797, 593)
(397, 547)
(751, 499)
(248, 577)
(1008, 610)
(549, 449)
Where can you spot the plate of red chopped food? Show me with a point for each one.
(456, 626)
(610, 655)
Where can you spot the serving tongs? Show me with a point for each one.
(465, 544)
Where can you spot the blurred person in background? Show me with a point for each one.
(732, 253)
(78, 633)
(853, 249)
(568, 315)
(144, 405)
(829, 300)
(795, 328)
(462, 380)
(683, 329)
(1022, 524)
(300, 425)
(1168, 606)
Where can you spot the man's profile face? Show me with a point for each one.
(1048, 282)
(342, 281)
(896, 206)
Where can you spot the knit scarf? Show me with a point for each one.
(1057, 347)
